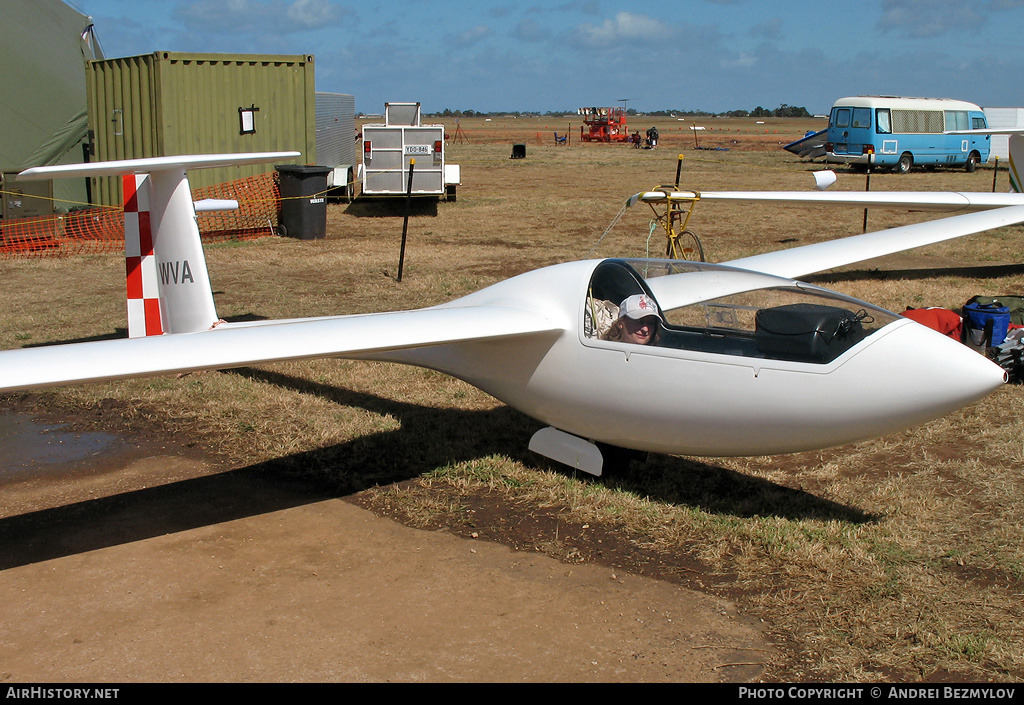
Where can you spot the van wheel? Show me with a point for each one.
(903, 165)
(972, 162)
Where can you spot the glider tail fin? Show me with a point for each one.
(1016, 162)
(168, 285)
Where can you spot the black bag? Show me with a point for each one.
(807, 332)
(1011, 360)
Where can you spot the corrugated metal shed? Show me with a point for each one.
(169, 103)
(1003, 118)
(335, 141)
(335, 129)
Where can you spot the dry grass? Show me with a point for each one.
(900, 558)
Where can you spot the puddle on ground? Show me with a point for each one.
(30, 448)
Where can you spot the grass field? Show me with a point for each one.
(895, 559)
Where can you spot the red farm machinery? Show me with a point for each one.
(604, 125)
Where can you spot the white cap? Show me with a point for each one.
(639, 306)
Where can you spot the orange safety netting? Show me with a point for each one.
(101, 229)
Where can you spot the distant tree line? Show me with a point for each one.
(787, 111)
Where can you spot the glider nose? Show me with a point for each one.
(956, 374)
(988, 375)
(908, 376)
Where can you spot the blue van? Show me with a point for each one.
(903, 132)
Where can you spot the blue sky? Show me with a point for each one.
(497, 55)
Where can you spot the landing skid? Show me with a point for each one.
(579, 453)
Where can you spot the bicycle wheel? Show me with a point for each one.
(686, 246)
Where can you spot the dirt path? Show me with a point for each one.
(146, 563)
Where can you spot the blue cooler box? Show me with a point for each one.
(976, 316)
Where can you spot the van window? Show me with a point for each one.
(861, 118)
(841, 117)
(917, 121)
(978, 123)
(957, 120)
(882, 121)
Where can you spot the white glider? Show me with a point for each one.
(941, 202)
(1003, 210)
(746, 361)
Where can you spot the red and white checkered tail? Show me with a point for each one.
(143, 289)
(167, 282)
(168, 286)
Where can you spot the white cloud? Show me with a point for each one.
(245, 16)
(743, 61)
(768, 29)
(625, 27)
(472, 36)
(929, 18)
(529, 30)
(312, 14)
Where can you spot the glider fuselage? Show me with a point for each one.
(693, 402)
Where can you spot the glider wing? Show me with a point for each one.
(800, 261)
(228, 345)
(942, 202)
(683, 289)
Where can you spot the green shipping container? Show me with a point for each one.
(167, 103)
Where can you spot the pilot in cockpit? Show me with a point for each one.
(639, 321)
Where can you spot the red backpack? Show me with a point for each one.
(943, 320)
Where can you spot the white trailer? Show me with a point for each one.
(390, 147)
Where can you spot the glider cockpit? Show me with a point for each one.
(756, 315)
